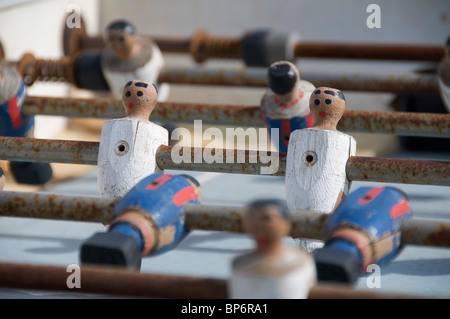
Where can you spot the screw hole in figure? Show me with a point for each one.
(310, 158)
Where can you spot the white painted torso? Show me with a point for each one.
(289, 276)
(272, 108)
(317, 187)
(149, 73)
(119, 171)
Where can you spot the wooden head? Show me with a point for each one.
(121, 38)
(327, 106)
(283, 77)
(139, 99)
(267, 221)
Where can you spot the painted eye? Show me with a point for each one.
(139, 93)
(120, 38)
(316, 102)
(128, 94)
(328, 101)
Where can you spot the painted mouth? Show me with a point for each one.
(322, 114)
(130, 106)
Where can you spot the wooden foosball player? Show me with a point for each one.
(148, 220)
(285, 105)
(128, 146)
(13, 122)
(272, 270)
(316, 179)
(364, 229)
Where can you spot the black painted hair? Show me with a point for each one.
(339, 93)
(278, 203)
(281, 78)
(121, 25)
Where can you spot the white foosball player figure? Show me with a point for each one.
(128, 56)
(272, 270)
(127, 151)
(444, 77)
(316, 179)
(285, 105)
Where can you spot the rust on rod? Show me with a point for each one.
(407, 171)
(399, 123)
(198, 217)
(395, 170)
(231, 47)
(409, 83)
(119, 282)
(110, 280)
(369, 51)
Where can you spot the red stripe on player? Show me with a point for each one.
(285, 131)
(158, 182)
(309, 121)
(374, 192)
(400, 209)
(14, 113)
(184, 195)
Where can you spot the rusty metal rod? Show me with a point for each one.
(109, 280)
(197, 217)
(33, 69)
(409, 83)
(119, 282)
(399, 123)
(230, 47)
(359, 168)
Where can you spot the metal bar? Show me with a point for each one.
(359, 168)
(369, 51)
(48, 151)
(407, 52)
(256, 77)
(197, 217)
(118, 282)
(108, 280)
(393, 170)
(399, 123)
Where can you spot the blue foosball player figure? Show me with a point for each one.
(148, 220)
(364, 229)
(285, 105)
(14, 123)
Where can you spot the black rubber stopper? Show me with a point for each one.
(88, 71)
(252, 47)
(281, 78)
(112, 249)
(31, 173)
(336, 266)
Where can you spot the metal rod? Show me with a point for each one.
(109, 280)
(197, 217)
(399, 123)
(358, 168)
(118, 282)
(256, 77)
(230, 48)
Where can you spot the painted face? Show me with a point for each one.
(327, 106)
(266, 225)
(139, 98)
(121, 42)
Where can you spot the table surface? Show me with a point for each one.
(417, 270)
